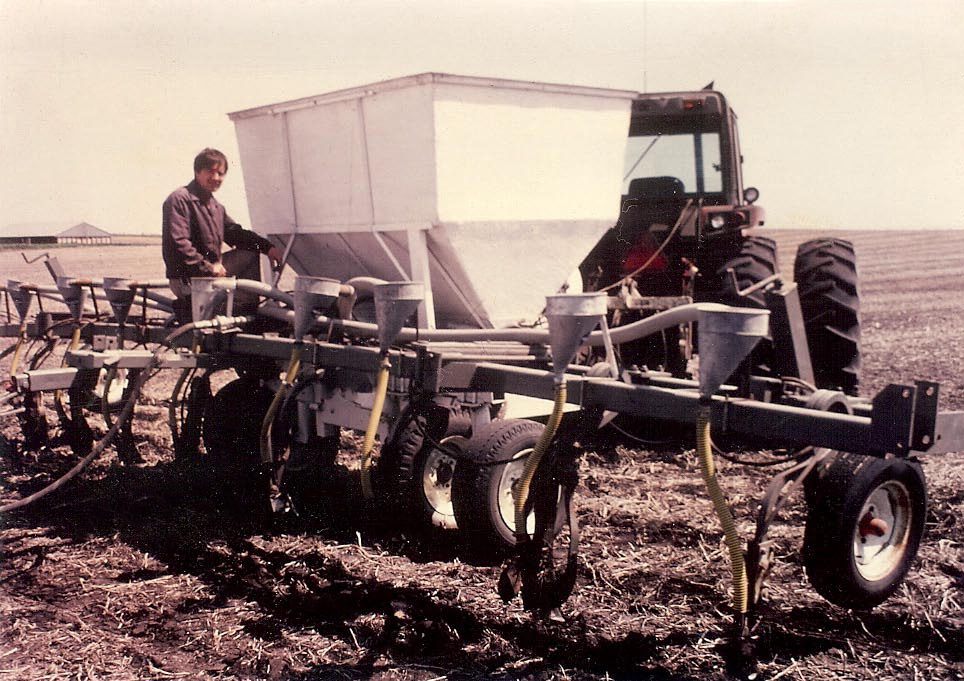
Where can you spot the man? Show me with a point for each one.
(195, 225)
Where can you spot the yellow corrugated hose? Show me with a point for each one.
(74, 343)
(294, 364)
(21, 337)
(381, 388)
(520, 492)
(733, 544)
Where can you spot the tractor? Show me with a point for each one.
(685, 233)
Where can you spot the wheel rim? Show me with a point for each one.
(511, 472)
(437, 474)
(880, 537)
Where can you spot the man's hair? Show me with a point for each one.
(209, 158)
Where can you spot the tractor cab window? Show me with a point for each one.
(673, 164)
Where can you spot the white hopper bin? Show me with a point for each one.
(489, 191)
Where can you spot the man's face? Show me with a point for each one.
(211, 178)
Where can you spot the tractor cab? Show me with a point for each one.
(682, 190)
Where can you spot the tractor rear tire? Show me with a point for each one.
(825, 271)
(864, 525)
(752, 260)
(482, 487)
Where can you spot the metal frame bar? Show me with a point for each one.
(901, 419)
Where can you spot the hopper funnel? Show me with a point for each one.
(312, 296)
(74, 295)
(21, 297)
(572, 316)
(395, 302)
(120, 295)
(207, 295)
(726, 337)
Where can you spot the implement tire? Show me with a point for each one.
(864, 525)
(231, 426)
(482, 487)
(825, 271)
(415, 474)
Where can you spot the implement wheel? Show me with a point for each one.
(232, 419)
(826, 274)
(417, 474)
(864, 526)
(482, 488)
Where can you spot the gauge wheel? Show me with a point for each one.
(482, 487)
(864, 525)
(416, 473)
(435, 470)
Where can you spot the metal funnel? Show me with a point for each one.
(74, 295)
(572, 317)
(726, 337)
(120, 295)
(207, 295)
(395, 302)
(312, 296)
(22, 299)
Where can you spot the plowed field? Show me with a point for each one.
(163, 570)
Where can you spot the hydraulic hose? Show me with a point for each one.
(159, 300)
(704, 450)
(109, 377)
(381, 388)
(520, 492)
(144, 376)
(175, 398)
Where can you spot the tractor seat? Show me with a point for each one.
(662, 187)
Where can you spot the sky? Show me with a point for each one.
(851, 112)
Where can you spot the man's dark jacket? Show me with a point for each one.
(194, 227)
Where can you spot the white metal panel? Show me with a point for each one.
(401, 154)
(329, 165)
(516, 154)
(263, 147)
(512, 266)
(422, 79)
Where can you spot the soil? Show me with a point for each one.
(168, 569)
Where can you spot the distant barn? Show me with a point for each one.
(55, 233)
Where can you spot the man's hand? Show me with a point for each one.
(219, 270)
(275, 256)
